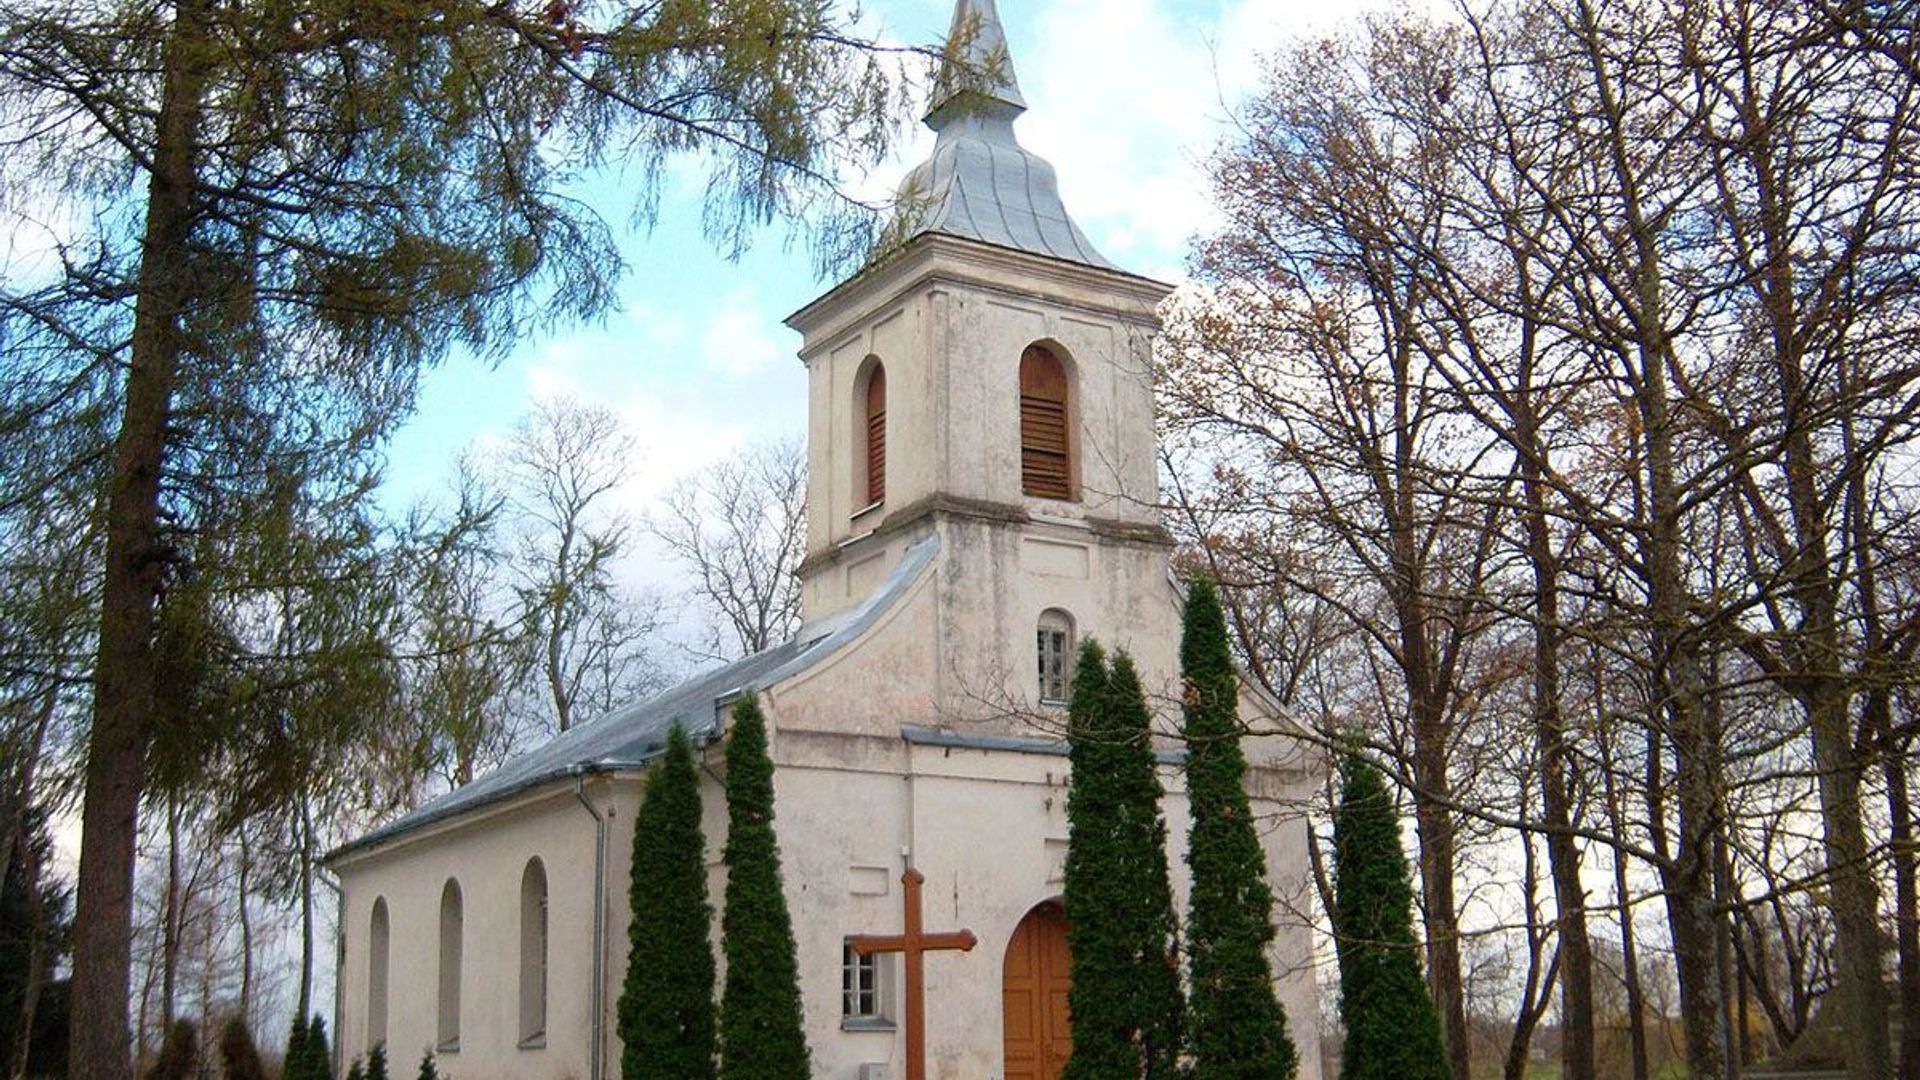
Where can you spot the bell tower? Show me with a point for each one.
(987, 379)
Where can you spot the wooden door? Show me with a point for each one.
(1033, 997)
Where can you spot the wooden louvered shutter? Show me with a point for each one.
(876, 435)
(1046, 466)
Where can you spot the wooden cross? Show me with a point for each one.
(914, 945)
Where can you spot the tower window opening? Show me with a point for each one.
(875, 435)
(1046, 458)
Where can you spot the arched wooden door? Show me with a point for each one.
(1033, 996)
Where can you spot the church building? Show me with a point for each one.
(982, 497)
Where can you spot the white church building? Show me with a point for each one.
(983, 487)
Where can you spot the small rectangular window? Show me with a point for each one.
(863, 997)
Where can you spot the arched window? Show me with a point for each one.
(378, 936)
(1054, 646)
(452, 933)
(533, 955)
(873, 408)
(1046, 457)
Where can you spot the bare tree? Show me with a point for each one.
(1577, 340)
(566, 462)
(739, 529)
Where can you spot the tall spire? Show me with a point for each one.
(976, 62)
(980, 183)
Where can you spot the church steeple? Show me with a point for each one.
(985, 381)
(976, 64)
(980, 183)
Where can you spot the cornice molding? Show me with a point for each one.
(933, 259)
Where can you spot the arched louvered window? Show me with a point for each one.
(452, 949)
(379, 938)
(1046, 456)
(533, 955)
(874, 402)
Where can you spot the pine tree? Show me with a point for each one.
(427, 1071)
(239, 1057)
(377, 1063)
(319, 1054)
(760, 1026)
(666, 1008)
(308, 1056)
(1237, 1029)
(1392, 1030)
(179, 1055)
(1158, 1004)
(356, 1071)
(294, 1066)
(1125, 1000)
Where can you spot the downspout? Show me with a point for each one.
(597, 994)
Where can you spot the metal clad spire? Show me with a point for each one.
(977, 61)
(980, 183)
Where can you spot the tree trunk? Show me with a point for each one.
(246, 932)
(1726, 900)
(36, 954)
(1688, 877)
(1563, 853)
(1630, 979)
(170, 919)
(1629, 951)
(132, 571)
(1817, 663)
(16, 797)
(1680, 704)
(306, 911)
(1428, 683)
(1435, 826)
(1906, 909)
(1536, 994)
(1859, 989)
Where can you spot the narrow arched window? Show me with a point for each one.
(533, 955)
(452, 947)
(379, 934)
(1046, 458)
(1054, 644)
(874, 410)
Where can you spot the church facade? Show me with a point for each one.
(983, 486)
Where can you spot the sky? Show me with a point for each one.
(1127, 98)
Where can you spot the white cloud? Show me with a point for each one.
(691, 386)
(1130, 97)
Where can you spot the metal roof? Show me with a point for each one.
(980, 183)
(976, 60)
(633, 735)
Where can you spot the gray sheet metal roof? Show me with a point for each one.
(981, 184)
(631, 736)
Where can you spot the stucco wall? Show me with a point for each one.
(950, 329)
(987, 827)
(487, 855)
